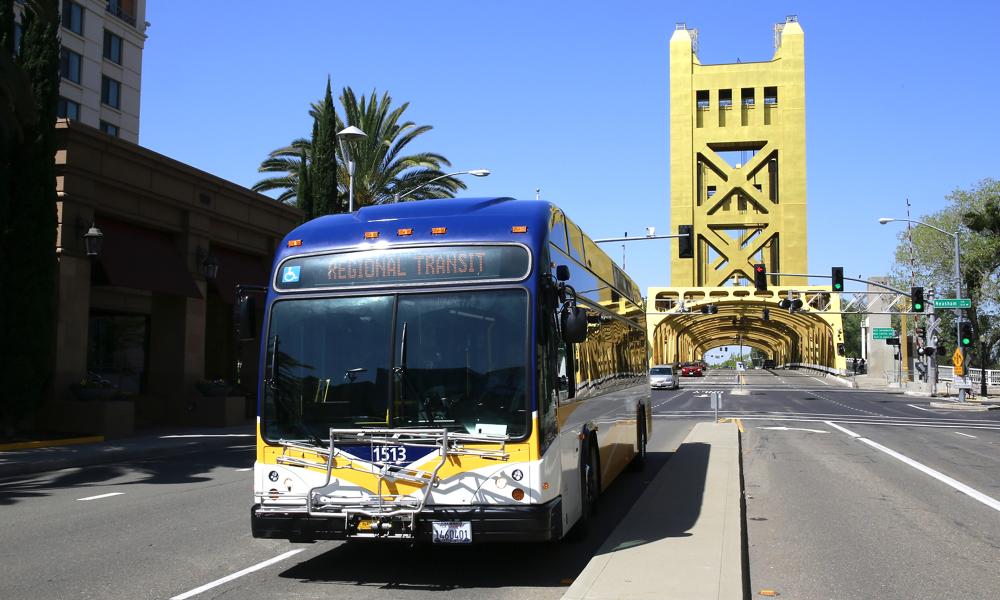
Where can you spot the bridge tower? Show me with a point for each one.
(738, 178)
(738, 161)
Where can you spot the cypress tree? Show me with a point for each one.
(29, 234)
(303, 194)
(324, 163)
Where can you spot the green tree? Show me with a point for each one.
(323, 170)
(382, 167)
(28, 198)
(934, 262)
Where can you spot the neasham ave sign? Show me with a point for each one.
(952, 303)
(883, 333)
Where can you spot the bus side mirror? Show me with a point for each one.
(573, 320)
(562, 273)
(246, 318)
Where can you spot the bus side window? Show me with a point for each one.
(557, 231)
(575, 242)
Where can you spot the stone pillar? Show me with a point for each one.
(877, 354)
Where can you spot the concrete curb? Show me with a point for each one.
(964, 407)
(92, 439)
(683, 538)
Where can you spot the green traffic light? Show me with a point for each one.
(836, 286)
(918, 307)
(966, 342)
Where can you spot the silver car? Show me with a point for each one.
(664, 377)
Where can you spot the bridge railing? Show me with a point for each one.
(976, 375)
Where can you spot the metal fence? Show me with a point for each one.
(976, 375)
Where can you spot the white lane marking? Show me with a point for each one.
(819, 380)
(920, 408)
(246, 469)
(237, 574)
(206, 435)
(99, 497)
(783, 428)
(965, 434)
(958, 485)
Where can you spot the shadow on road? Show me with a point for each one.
(185, 468)
(423, 567)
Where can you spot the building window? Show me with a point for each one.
(747, 97)
(123, 9)
(117, 350)
(112, 47)
(771, 95)
(70, 64)
(67, 109)
(72, 16)
(111, 91)
(109, 128)
(725, 98)
(702, 99)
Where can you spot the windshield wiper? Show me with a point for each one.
(272, 384)
(401, 373)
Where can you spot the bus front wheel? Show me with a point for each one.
(590, 489)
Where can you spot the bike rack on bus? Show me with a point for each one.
(380, 505)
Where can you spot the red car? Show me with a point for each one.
(692, 370)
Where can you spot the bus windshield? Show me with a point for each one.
(455, 360)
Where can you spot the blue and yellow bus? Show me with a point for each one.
(454, 371)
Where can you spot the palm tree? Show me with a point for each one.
(382, 168)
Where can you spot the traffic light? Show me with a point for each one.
(917, 299)
(709, 309)
(760, 277)
(892, 341)
(837, 274)
(965, 334)
(790, 304)
(928, 350)
(685, 243)
(767, 314)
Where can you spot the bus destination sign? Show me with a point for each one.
(403, 266)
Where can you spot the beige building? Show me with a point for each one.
(152, 314)
(100, 63)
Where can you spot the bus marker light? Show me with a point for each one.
(545, 485)
(294, 243)
(273, 493)
(519, 229)
(517, 494)
(404, 231)
(439, 230)
(371, 235)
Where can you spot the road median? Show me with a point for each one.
(683, 537)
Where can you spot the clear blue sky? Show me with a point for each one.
(571, 97)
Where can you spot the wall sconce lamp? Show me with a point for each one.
(209, 264)
(93, 240)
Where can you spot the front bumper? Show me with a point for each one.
(490, 524)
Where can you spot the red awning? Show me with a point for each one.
(237, 268)
(144, 259)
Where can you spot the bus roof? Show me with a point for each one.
(466, 219)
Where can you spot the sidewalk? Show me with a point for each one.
(683, 538)
(155, 443)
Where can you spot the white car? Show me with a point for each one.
(664, 377)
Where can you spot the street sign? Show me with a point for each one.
(958, 361)
(952, 303)
(883, 333)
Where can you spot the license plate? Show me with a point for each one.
(452, 532)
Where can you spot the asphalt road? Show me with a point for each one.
(849, 494)
(164, 528)
(882, 515)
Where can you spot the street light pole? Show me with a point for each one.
(958, 289)
(349, 134)
(474, 172)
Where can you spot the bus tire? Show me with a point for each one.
(639, 460)
(590, 489)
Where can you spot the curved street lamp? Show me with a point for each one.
(473, 172)
(958, 282)
(350, 134)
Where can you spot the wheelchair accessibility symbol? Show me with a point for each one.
(291, 274)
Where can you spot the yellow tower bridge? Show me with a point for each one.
(738, 184)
